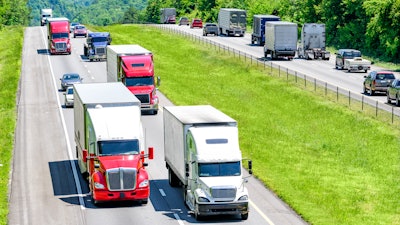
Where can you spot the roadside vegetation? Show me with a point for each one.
(330, 164)
(10, 67)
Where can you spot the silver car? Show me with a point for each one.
(69, 79)
(69, 97)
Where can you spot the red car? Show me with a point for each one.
(80, 30)
(196, 23)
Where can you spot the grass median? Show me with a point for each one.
(332, 165)
(11, 38)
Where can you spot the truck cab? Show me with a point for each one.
(58, 36)
(95, 48)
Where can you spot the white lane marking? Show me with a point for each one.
(162, 192)
(261, 213)
(71, 158)
(178, 219)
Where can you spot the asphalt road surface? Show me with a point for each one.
(45, 185)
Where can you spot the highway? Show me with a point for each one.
(46, 187)
(321, 70)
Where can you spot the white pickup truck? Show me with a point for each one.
(357, 64)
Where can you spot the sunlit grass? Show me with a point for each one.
(332, 164)
(11, 39)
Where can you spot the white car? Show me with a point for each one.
(69, 97)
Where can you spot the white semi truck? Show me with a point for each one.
(202, 154)
(44, 15)
(232, 22)
(312, 42)
(110, 142)
(280, 39)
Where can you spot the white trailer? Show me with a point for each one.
(202, 154)
(98, 105)
(232, 22)
(280, 39)
(168, 15)
(114, 54)
(44, 15)
(312, 43)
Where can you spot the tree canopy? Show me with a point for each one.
(371, 26)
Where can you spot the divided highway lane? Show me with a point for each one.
(45, 188)
(318, 69)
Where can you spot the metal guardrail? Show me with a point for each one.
(355, 101)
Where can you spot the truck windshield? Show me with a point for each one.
(219, 169)
(59, 35)
(139, 81)
(352, 54)
(99, 39)
(122, 147)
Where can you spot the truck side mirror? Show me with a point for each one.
(84, 155)
(151, 153)
(158, 81)
(250, 165)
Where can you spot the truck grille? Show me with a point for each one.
(120, 179)
(226, 193)
(144, 98)
(61, 46)
(100, 51)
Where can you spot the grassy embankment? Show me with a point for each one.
(11, 38)
(331, 164)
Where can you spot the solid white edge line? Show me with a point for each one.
(71, 158)
(261, 213)
(178, 219)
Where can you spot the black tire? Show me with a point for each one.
(371, 92)
(245, 216)
(397, 101)
(155, 112)
(388, 99)
(364, 89)
(172, 178)
(144, 202)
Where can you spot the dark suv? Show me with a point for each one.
(345, 54)
(393, 92)
(210, 28)
(377, 81)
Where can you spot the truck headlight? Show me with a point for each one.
(98, 185)
(144, 183)
(244, 198)
(202, 199)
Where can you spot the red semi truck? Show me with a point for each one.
(58, 35)
(133, 66)
(110, 143)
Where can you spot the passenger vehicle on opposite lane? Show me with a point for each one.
(69, 79)
(69, 97)
(196, 23)
(210, 28)
(377, 81)
(184, 21)
(393, 92)
(80, 30)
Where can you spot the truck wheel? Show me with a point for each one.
(397, 101)
(245, 216)
(388, 98)
(364, 89)
(371, 92)
(172, 178)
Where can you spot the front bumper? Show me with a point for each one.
(135, 195)
(222, 209)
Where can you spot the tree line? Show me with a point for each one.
(371, 26)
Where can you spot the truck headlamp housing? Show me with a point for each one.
(144, 183)
(202, 199)
(244, 198)
(98, 185)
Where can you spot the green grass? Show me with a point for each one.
(331, 164)
(10, 67)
